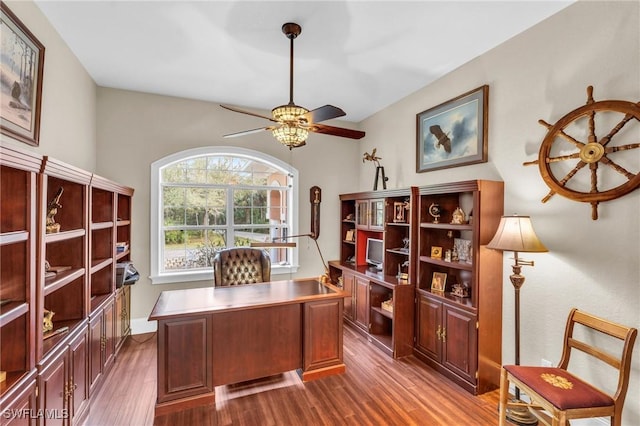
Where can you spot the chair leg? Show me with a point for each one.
(504, 397)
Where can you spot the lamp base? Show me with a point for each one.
(520, 415)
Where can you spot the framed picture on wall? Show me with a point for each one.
(21, 67)
(453, 133)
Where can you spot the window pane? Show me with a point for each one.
(205, 206)
(173, 174)
(196, 176)
(244, 236)
(279, 256)
(250, 207)
(173, 199)
(174, 256)
(192, 249)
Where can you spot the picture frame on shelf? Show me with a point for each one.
(463, 249)
(439, 281)
(453, 133)
(20, 112)
(398, 212)
(350, 236)
(436, 252)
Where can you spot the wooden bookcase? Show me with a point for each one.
(460, 336)
(18, 237)
(70, 271)
(373, 215)
(64, 293)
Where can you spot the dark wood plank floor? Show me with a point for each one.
(375, 390)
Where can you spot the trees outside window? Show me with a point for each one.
(208, 199)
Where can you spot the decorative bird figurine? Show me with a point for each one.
(372, 157)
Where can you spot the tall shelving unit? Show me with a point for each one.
(460, 336)
(381, 305)
(457, 333)
(18, 237)
(64, 293)
(68, 272)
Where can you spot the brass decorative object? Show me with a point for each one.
(379, 169)
(52, 209)
(458, 216)
(596, 150)
(47, 323)
(435, 212)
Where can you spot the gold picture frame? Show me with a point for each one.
(436, 252)
(439, 281)
(398, 212)
(351, 236)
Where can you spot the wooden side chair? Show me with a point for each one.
(557, 395)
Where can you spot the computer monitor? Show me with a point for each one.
(375, 253)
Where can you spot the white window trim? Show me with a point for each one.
(155, 211)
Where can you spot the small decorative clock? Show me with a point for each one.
(579, 159)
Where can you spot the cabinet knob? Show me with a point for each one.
(439, 332)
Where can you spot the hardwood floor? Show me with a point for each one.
(375, 390)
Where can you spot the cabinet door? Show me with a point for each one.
(119, 320)
(348, 286)
(53, 390)
(429, 327)
(376, 215)
(95, 351)
(126, 313)
(362, 303)
(109, 348)
(79, 380)
(362, 214)
(459, 342)
(20, 399)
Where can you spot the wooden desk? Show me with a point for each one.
(214, 336)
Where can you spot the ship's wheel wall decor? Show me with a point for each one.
(579, 159)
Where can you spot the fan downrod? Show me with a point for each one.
(291, 30)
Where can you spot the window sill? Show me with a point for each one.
(190, 276)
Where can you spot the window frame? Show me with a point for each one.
(156, 210)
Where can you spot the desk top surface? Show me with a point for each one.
(222, 299)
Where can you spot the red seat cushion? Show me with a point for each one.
(561, 388)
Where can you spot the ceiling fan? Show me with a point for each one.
(292, 123)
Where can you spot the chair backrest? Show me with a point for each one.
(621, 362)
(241, 265)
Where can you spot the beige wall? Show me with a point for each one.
(136, 129)
(68, 120)
(543, 74)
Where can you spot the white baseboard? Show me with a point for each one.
(143, 325)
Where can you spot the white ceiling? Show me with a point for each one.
(358, 55)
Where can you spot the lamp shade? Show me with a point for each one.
(515, 233)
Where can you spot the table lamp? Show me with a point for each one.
(515, 233)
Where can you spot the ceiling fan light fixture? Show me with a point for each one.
(290, 135)
(288, 113)
(292, 122)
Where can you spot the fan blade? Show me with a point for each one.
(323, 113)
(247, 132)
(337, 131)
(248, 113)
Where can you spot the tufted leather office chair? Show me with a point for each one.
(241, 265)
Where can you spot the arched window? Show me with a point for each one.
(206, 199)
